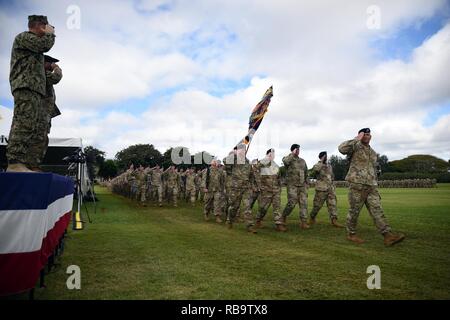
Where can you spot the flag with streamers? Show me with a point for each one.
(256, 117)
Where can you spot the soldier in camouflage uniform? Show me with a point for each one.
(28, 87)
(156, 184)
(297, 185)
(255, 183)
(198, 185)
(190, 186)
(53, 75)
(363, 187)
(241, 175)
(270, 191)
(173, 182)
(325, 190)
(141, 180)
(213, 184)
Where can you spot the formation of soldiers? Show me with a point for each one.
(230, 189)
(145, 184)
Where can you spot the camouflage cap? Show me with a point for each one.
(37, 18)
(50, 59)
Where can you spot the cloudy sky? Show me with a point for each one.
(188, 73)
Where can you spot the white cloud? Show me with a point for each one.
(328, 81)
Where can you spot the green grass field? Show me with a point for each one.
(130, 252)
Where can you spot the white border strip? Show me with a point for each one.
(24, 230)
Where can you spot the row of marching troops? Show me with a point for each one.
(233, 186)
(156, 184)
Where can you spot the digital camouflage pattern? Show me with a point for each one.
(27, 79)
(240, 175)
(214, 181)
(27, 62)
(296, 179)
(363, 185)
(363, 161)
(325, 191)
(270, 190)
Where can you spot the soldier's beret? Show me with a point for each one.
(50, 59)
(37, 18)
(365, 130)
(295, 146)
(322, 154)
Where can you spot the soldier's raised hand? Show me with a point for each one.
(49, 29)
(360, 136)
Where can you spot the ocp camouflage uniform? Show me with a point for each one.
(214, 181)
(325, 190)
(296, 179)
(141, 179)
(198, 186)
(28, 86)
(270, 190)
(363, 185)
(173, 182)
(241, 175)
(255, 183)
(156, 185)
(190, 186)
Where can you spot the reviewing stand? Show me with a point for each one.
(35, 210)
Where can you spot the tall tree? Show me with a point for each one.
(94, 159)
(340, 167)
(138, 154)
(108, 169)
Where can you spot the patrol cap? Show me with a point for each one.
(322, 154)
(365, 130)
(50, 59)
(36, 18)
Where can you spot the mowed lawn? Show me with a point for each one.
(131, 252)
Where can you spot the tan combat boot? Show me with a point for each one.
(312, 221)
(206, 217)
(354, 238)
(17, 167)
(218, 220)
(303, 225)
(281, 227)
(334, 223)
(251, 229)
(258, 224)
(390, 239)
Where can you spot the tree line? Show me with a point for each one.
(411, 167)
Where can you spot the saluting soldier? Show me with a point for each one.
(363, 187)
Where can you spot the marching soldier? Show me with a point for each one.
(270, 191)
(297, 184)
(241, 175)
(255, 183)
(363, 187)
(213, 184)
(325, 190)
